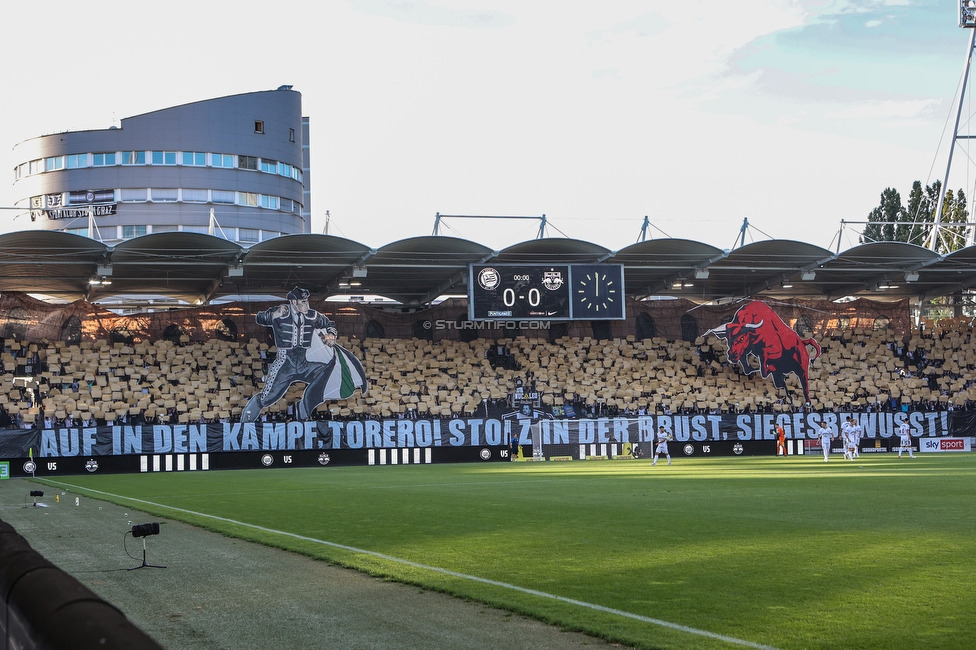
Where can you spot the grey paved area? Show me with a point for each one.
(218, 592)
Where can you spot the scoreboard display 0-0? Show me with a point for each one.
(546, 292)
(503, 291)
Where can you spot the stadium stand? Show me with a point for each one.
(99, 382)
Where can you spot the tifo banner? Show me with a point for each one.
(757, 331)
(460, 432)
(308, 352)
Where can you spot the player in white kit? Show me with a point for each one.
(847, 437)
(906, 440)
(857, 431)
(662, 445)
(826, 435)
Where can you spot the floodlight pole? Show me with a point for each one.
(967, 19)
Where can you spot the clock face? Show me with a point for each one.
(598, 291)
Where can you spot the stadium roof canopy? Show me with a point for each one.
(198, 268)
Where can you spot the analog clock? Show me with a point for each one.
(598, 291)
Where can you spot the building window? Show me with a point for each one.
(203, 230)
(164, 157)
(196, 158)
(166, 228)
(287, 205)
(221, 160)
(291, 135)
(270, 202)
(269, 166)
(284, 169)
(103, 159)
(247, 162)
(258, 126)
(164, 194)
(247, 198)
(133, 157)
(195, 196)
(77, 231)
(129, 232)
(37, 166)
(134, 194)
(269, 234)
(76, 160)
(54, 163)
(223, 196)
(249, 235)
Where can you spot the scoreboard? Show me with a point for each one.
(547, 292)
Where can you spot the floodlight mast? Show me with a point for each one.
(967, 20)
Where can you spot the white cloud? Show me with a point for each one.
(884, 110)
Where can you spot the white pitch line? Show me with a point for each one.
(454, 574)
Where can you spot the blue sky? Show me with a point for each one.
(794, 114)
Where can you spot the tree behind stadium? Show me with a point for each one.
(892, 221)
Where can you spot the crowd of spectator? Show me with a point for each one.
(53, 384)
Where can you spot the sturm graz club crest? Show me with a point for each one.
(689, 450)
(552, 280)
(485, 453)
(30, 467)
(489, 278)
(267, 459)
(324, 459)
(92, 465)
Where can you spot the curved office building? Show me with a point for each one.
(233, 166)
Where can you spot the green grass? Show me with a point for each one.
(794, 553)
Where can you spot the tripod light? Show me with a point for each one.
(143, 531)
(34, 494)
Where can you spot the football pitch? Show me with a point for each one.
(706, 553)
